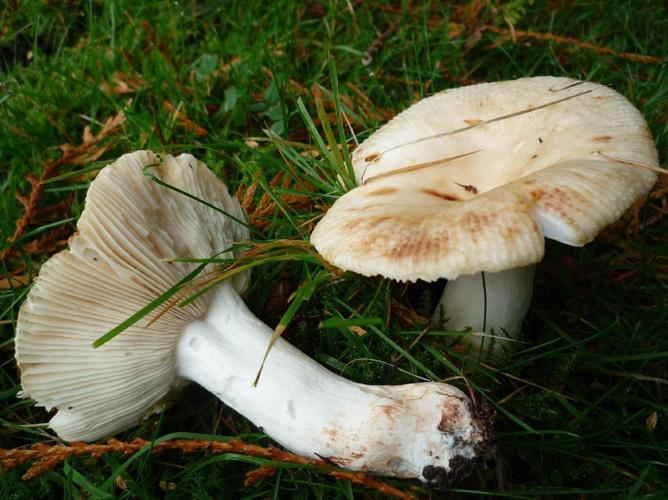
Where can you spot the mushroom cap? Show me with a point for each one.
(115, 265)
(474, 178)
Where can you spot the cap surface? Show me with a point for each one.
(115, 265)
(473, 179)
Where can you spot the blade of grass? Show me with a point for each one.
(159, 181)
(302, 294)
(148, 308)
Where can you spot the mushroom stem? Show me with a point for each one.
(413, 430)
(493, 305)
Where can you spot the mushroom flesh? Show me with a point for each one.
(121, 259)
(467, 184)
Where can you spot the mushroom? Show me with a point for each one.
(121, 259)
(467, 184)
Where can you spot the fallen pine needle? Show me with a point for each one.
(631, 163)
(90, 149)
(256, 475)
(46, 457)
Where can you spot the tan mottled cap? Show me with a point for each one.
(115, 265)
(473, 179)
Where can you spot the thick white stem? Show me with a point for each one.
(493, 305)
(412, 430)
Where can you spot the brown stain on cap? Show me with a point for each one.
(364, 223)
(382, 191)
(561, 202)
(438, 194)
(511, 232)
(475, 222)
(418, 247)
(558, 196)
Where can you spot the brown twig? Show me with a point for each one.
(371, 483)
(46, 457)
(550, 37)
(88, 151)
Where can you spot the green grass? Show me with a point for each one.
(572, 407)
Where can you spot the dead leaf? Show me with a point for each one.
(227, 67)
(122, 83)
(120, 482)
(167, 486)
(358, 330)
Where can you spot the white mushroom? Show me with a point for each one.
(467, 184)
(120, 260)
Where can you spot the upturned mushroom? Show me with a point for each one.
(121, 259)
(467, 184)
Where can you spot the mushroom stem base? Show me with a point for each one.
(391, 430)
